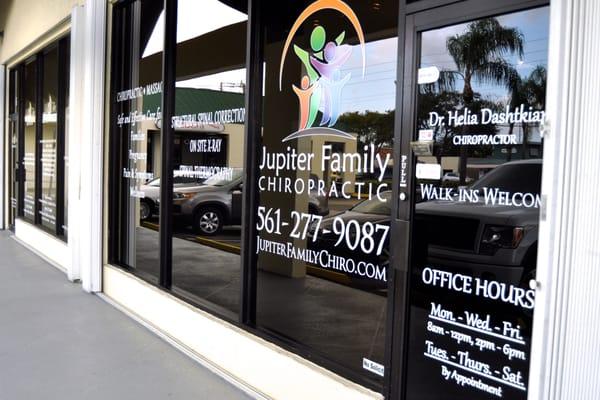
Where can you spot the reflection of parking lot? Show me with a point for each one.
(202, 272)
(229, 236)
(229, 239)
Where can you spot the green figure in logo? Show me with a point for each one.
(318, 38)
(317, 43)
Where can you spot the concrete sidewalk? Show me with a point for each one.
(57, 342)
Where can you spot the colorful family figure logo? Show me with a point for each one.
(321, 87)
(322, 84)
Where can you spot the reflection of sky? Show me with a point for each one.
(533, 24)
(228, 81)
(377, 90)
(194, 18)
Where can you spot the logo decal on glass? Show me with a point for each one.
(322, 83)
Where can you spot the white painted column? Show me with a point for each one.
(77, 74)
(86, 148)
(565, 352)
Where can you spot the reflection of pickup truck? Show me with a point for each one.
(493, 241)
(499, 241)
(374, 211)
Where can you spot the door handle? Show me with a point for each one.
(400, 236)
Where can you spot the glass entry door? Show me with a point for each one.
(477, 149)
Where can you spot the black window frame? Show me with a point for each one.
(13, 77)
(414, 16)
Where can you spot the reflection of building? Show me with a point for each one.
(209, 130)
(476, 167)
(339, 146)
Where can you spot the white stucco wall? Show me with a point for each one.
(31, 23)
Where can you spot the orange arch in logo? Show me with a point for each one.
(337, 5)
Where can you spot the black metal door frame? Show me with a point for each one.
(14, 77)
(420, 17)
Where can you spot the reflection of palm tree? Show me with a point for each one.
(479, 54)
(530, 92)
(537, 87)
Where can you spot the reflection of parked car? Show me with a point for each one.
(498, 240)
(218, 202)
(450, 177)
(149, 204)
(453, 179)
(375, 211)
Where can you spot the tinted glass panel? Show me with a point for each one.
(29, 139)
(48, 142)
(13, 132)
(325, 177)
(66, 74)
(481, 101)
(209, 151)
(36, 125)
(138, 54)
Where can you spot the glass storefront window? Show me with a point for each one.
(137, 136)
(65, 143)
(481, 102)
(320, 197)
(29, 139)
(207, 142)
(37, 119)
(13, 134)
(325, 179)
(209, 151)
(48, 141)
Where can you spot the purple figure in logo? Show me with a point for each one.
(335, 87)
(334, 56)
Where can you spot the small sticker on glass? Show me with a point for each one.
(425, 135)
(429, 171)
(373, 367)
(428, 75)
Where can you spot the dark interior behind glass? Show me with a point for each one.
(29, 117)
(48, 143)
(37, 126)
